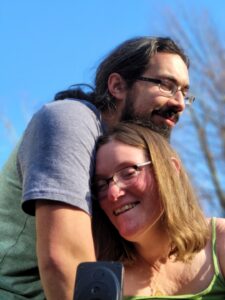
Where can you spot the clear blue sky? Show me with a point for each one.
(47, 45)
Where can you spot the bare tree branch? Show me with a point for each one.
(205, 125)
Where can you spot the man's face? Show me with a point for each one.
(145, 101)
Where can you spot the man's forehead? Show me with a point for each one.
(168, 65)
(167, 55)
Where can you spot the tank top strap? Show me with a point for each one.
(214, 254)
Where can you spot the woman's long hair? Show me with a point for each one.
(183, 219)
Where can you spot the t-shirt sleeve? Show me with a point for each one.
(57, 153)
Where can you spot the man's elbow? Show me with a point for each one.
(56, 264)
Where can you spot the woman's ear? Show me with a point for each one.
(117, 86)
(176, 163)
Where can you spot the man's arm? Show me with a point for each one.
(64, 240)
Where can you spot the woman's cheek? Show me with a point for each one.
(143, 184)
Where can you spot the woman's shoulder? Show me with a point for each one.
(220, 232)
(220, 224)
(220, 241)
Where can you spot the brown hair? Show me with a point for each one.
(183, 219)
(130, 59)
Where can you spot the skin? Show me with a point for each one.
(221, 243)
(153, 272)
(147, 208)
(144, 100)
(61, 246)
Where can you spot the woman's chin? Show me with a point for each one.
(129, 234)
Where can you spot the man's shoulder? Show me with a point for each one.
(67, 113)
(75, 105)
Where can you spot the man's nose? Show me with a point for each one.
(114, 191)
(179, 101)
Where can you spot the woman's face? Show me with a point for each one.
(133, 205)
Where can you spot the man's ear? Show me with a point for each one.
(176, 163)
(117, 86)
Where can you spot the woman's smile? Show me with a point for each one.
(131, 209)
(125, 208)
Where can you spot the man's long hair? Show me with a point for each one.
(130, 59)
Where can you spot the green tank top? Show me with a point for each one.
(215, 290)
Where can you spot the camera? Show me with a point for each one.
(99, 281)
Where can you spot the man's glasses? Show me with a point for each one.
(122, 178)
(169, 88)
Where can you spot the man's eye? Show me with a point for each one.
(185, 92)
(167, 85)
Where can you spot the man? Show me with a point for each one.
(144, 79)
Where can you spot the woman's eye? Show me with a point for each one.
(101, 185)
(128, 173)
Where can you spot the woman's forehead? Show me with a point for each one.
(115, 153)
(114, 147)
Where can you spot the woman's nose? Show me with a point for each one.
(115, 191)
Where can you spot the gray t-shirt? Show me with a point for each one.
(54, 160)
(56, 156)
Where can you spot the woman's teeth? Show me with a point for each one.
(124, 208)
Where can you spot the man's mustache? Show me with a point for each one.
(168, 112)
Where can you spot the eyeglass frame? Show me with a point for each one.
(137, 167)
(189, 99)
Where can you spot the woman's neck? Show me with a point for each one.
(155, 247)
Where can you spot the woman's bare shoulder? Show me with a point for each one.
(220, 238)
(220, 230)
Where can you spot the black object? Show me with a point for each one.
(99, 281)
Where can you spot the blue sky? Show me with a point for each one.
(48, 45)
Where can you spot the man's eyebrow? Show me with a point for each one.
(174, 80)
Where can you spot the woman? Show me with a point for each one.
(147, 216)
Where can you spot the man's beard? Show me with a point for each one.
(129, 115)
